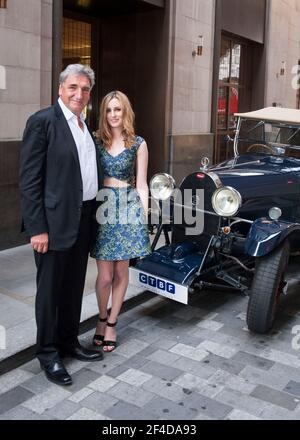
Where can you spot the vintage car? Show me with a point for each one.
(249, 207)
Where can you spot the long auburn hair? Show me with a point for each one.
(104, 131)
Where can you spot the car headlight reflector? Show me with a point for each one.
(226, 201)
(162, 186)
(275, 213)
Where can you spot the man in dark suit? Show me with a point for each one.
(59, 179)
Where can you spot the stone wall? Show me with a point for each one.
(25, 87)
(192, 75)
(25, 54)
(191, 84)
(283, 42)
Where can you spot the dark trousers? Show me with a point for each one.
(60, 283)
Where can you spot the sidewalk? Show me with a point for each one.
(173, 362)
(17, 298)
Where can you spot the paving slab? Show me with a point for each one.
(173, 362)
(17, 298)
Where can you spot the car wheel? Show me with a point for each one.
(267, 285)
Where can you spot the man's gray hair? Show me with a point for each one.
(77, 69)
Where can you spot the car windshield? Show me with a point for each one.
(267, 137)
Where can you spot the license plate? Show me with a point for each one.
(159, 285)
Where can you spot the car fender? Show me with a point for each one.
(265, 235)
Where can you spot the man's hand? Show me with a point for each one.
(40, 242)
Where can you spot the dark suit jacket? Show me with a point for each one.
(50, 179)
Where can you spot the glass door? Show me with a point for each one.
(77, 46)
(234, 91)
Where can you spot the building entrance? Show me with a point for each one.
(126, 45)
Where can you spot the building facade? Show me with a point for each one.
(186, 65)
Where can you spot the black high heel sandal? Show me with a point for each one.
(106, 342)
(98, 339)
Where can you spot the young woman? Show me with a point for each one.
(123, 233)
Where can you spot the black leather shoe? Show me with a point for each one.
(56, 372)
(83, 354)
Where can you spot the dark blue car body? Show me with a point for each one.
(248, 251)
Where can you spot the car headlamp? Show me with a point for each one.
(226, 201)
(275, 213)
(162, 186)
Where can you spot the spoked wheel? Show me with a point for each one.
(267, 285)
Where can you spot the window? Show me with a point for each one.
(76, 46)
(3, 4)
(229, 83)
(76, 42)
(234, 90)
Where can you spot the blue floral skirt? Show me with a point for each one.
(123, 231)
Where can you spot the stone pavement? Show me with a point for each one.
(175, 362)
(17, 297)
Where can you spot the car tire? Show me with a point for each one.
(267, 285)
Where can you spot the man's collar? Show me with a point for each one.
(67, 112)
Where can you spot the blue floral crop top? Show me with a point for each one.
(121, 166)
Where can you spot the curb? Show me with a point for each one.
(28, 354)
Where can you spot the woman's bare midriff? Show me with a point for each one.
(116, 183)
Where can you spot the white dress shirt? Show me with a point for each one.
(86, 152)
